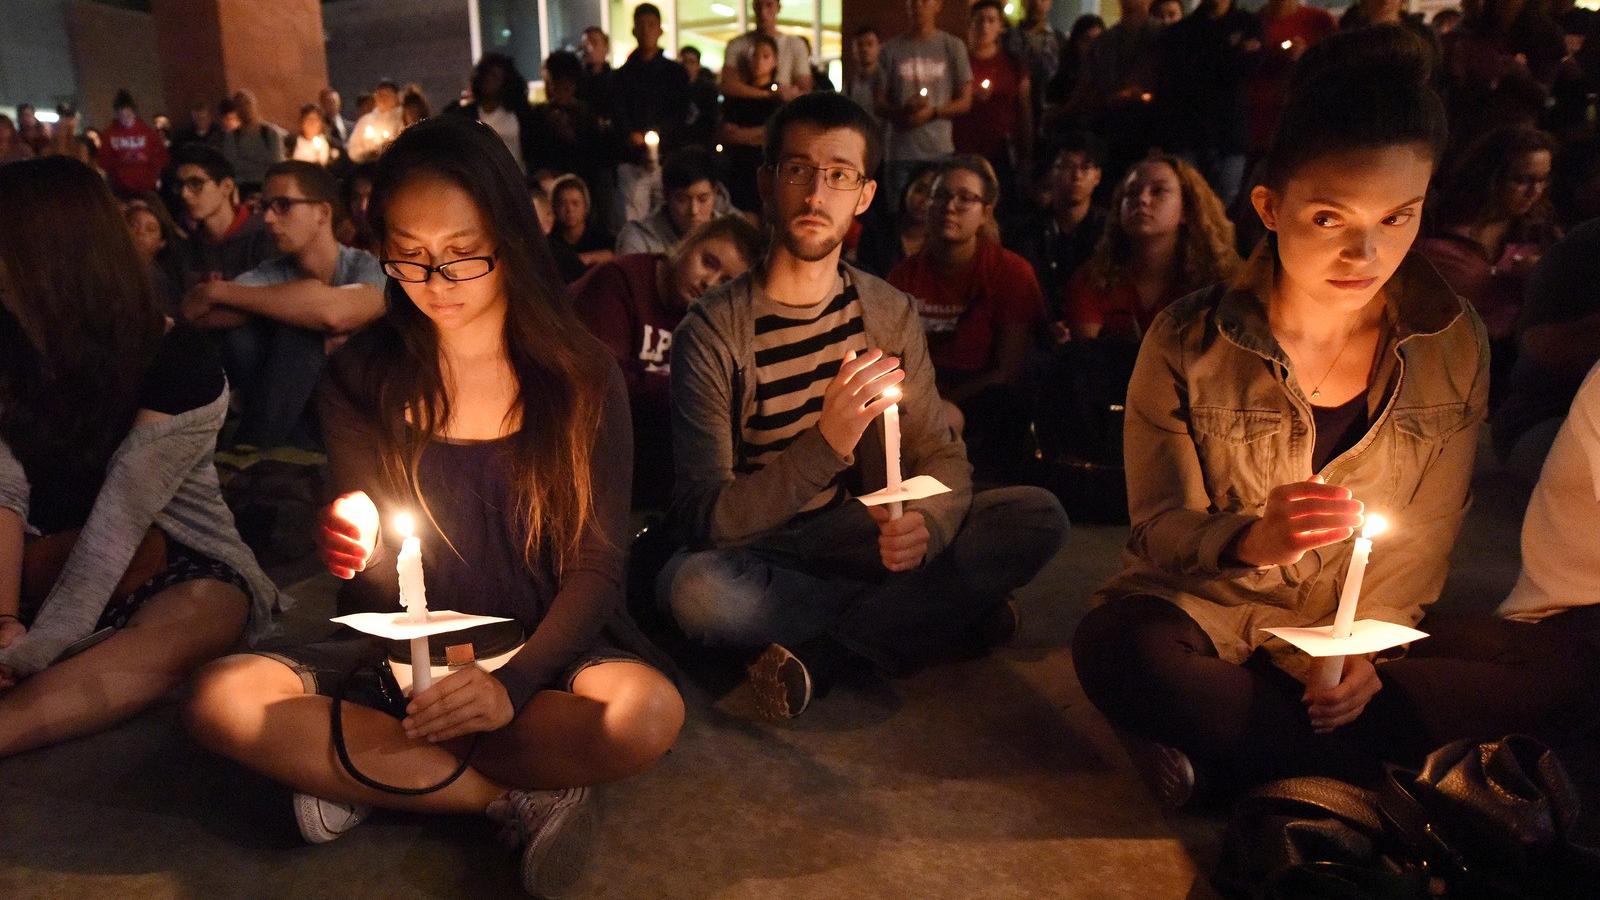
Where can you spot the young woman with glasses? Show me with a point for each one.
(480, 405)
(980, 305)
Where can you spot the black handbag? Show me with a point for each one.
(489, 646)
(1481, 820)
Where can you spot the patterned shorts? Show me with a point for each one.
(183, 564)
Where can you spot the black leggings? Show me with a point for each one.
(1150, 669)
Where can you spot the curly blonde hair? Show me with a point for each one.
(1205, 239)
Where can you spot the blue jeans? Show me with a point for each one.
(822, 576)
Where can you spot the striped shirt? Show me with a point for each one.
(798, 351)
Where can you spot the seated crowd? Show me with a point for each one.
(743, 311)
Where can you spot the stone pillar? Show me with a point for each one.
(210, 48)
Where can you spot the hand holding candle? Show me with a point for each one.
(856, 396)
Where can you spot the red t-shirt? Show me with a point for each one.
(1117, 308)
(1265, 89)
(133, 157)
(992, 121)
(962, 313)
(618, 302)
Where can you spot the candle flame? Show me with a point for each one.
(651, 139)
(404, 524)
(1375, 525)
(893, 392)
(923, 92)
(1287, 44)
(986, 84)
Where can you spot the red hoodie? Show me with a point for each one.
(133, 157)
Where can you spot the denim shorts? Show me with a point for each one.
(321, 667)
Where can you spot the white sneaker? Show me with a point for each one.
(556, 830)
(322, 820)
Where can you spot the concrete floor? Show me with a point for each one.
(992, 778)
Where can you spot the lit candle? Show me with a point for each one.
(1329, 669)
(413, 596)
(923, 92)
(984, 84)
(773, 87)
(1286, 44)
(652, 146)
(891, 449)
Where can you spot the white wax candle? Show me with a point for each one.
(652, 145)
(413, 596)
(1329, 669)
(891, 450)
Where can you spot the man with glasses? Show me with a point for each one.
(282, 318)
(780, 379)
(225, 237)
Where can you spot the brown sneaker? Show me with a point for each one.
(781, 684)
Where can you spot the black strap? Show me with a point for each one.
(1412, 824)
(337, 726)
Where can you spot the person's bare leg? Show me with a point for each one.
(255, 710)
(618, 720)
(171, 635)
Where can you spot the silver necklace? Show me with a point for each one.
(1316, 389)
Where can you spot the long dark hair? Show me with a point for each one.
(396, 376)
(79, 325)
(1467, 188)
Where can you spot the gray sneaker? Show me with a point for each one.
(322, 820)
(556, 830)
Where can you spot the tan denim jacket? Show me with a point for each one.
(1215, 421)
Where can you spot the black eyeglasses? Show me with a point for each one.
(962, 200)
(840, 178)
(281, 205)
(464, 269)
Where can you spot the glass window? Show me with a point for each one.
(708, 25)
(512, 28)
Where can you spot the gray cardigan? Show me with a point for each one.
(161, 474)
(713, 394)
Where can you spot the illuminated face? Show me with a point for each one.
(595, 46)
(1167, 12)
(985, 26)
(647, 30)
(1152, 201)
(541, 208)
(296, 226)
(692, 207)
(311, 124)
(765, 13)
(924, 13)
(763, 64)
(1344, 221)
(957, 207)
(866, 48)
(704, 266)
(1525, 183)
(431, 220)
(146, 231)
(202, 196)
(572, 210)
(917, 197)
(1074, 178)
(812, 219)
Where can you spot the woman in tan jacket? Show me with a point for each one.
(1336, 374)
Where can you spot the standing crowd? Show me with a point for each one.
(643, 351)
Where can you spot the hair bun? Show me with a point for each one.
(1376, 57)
